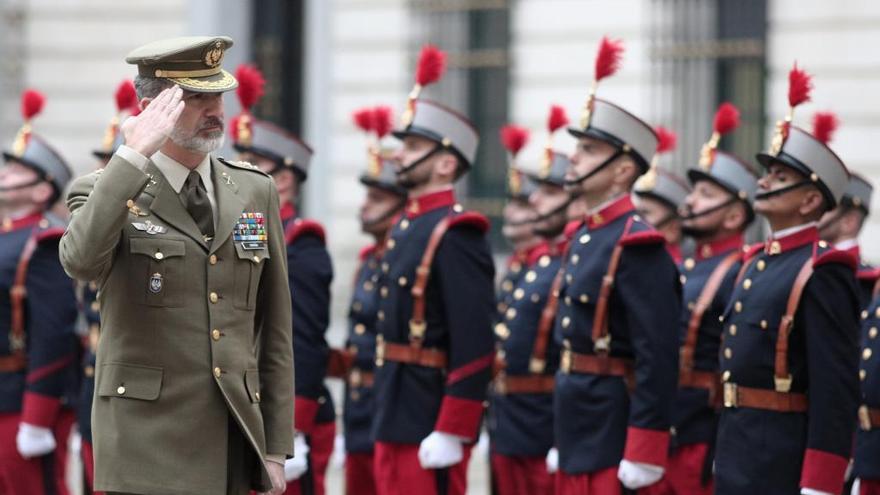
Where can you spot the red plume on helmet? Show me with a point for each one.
(556, 119)
(666, 140)
(363, 119)
(382, 121)
(800, 84)
(725, 121)
(608, 60)
(251, 87)
(514, 138)
(429, 69)
(32, 102)
(824, 125)
(126, 96)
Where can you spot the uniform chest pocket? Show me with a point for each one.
(157, 271)
(249, 265)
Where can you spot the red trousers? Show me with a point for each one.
(20, 476)
(521, 475)
(88, 458)
(602, 482)
(398, 472)
(869, 487)
(684, 472)
(320, 450)
(359, 479)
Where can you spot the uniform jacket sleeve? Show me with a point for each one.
(652, 311)
(310, 276)
(52, 345)
(275, 339)
(829, 318)
(463, 266)
(98, 213)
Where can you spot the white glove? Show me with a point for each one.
(552, 460)
(810, 491)
(34, 441)
(440, 450)
(857, 485)
(75, 444)
(635, 475)
(337, 460)
(299, 464)
(481, 449)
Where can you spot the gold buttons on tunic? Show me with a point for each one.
(502, 331)
(213, 297)
(872, 333)
(212, 259)
(381, 315)
(360, 328)
(507, 286)
(682, 279)
(401, 281)
(159, 255)
(747, 284)
(575, 258)
(121, 390)
(584, 298)
(568, 278)
(761, 265)
(763, 324)
(862, 375)
(738, 306)
(390, 244)
(536, 297)
(725, 376)
(96, 306)
(511, 313)
(404, 224)
(217, 372)
(866, 354)
(865, 314)
(732, 329)
(531, 276)
(544, 261)
(383, 292)
(567, 300)
(877, 312)
(689, 264)
(519, 293)
(584, 239)
(566, 321)
(728, 353)
(215, 334)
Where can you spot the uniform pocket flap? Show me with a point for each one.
(253, 251)
(157, 248)
(130, 381)
(252, 382)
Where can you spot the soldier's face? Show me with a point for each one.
(551, 207)
(778, 177)
(201, 124)
(589, 153)
(655, 212)
(414, 149)
(378, 210)
(518, 215)
(17, 185)
(705, 196)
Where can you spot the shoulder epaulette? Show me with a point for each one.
(301, 227)
(366, 252)
(470, 219)
(836, 256)
(243, 165)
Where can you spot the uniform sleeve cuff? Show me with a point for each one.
(823, 471)
(304, 413)
(40, 410)
(276, 458)
(646, 446)
(132, 157)
(460, 417)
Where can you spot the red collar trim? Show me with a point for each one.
(707, 250)
(9, 225)
(609, 213)
(416, 207)
(855, 251)
(789, 242)
(674, 251)
(287, 211)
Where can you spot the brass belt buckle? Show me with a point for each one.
(380, 350)
(730, 397)
(864, 418)
(565, 361)
(602, 344)
(782, 384)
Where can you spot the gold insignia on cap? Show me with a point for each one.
(214, 54)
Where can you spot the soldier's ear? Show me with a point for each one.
(626, 172)
(735, 218)
(144, 103)
(812, 204)
(447, 165)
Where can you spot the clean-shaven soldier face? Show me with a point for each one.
(200, 127)
(378, 210)
(21, 187)
(708, 196)
(589, 153)
(789, 203)
(518, 215)
(551, 207)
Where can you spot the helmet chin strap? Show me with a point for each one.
(573, 182)
(385, 216)
(784, 190)
(555, 211)
(20, 186)
(421, 160)
(708, 211)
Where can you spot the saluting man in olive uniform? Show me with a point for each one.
(194, 372)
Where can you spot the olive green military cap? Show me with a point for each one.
(191, 62)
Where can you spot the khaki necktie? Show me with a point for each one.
(195, 198)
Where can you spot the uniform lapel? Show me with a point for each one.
(229, 203)
(167, 206)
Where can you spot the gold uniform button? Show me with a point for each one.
(385, 267)
(380, 315)
(862, 375)
(584, 239)
(510, 313)
(257, 396)
(404, 224)
(761, 265)
(566, 321)
(390, 244)
(866, 354)
(738, 306)
(401, 281)
(682, 279)
(213, 297)
(215, 334)
(531, 276)
(502, 331)
(747, 284)
(458, 208)
(568, 278)
(568, 300)
(865, 314)
(121, 390)
(823, 244)
(213, 259)
(159, 255)
(763, 324)
(544, 261)
(129, 203)
(732, 329)
(584, 298)
(877, 312)
(519, 294)
(689, 264)
(357, 306)
(89, 371)
(575, 258)
(507, 286)
(728, 353)
(725, 376)
(360, 328)
(383, 292)
(536, 297)
(368, 285)
(256, 259)
(872, 333)
(96, 306)
(217, 372)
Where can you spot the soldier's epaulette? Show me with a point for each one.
(366, 252)
(50, 234)
(572, 227)
(868, 273)
(243, 165)
(836, 256)
(301, 227)
(470, 219)
(638, 233)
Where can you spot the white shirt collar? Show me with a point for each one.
(846, 244)
(792, 230)
(175, 173)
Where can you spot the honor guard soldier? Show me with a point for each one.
(517, 227)
(286, 159)
(520, 416)
(194, 374)
(715, 214)
(842, 225)
(87, 293)
(434, 322)
(619, 301)
(39, 351)
(789, 350)
(660, 195)
(866, 465)
(381, 208)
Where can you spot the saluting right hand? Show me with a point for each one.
(148, 131)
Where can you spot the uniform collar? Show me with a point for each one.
(850, 246)
(791, 238)
(559, 245)
(29, 220)
(609, 211)
(287, 211)
(416, 207)
(674, 251)
(176, 173)
(707, 250)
